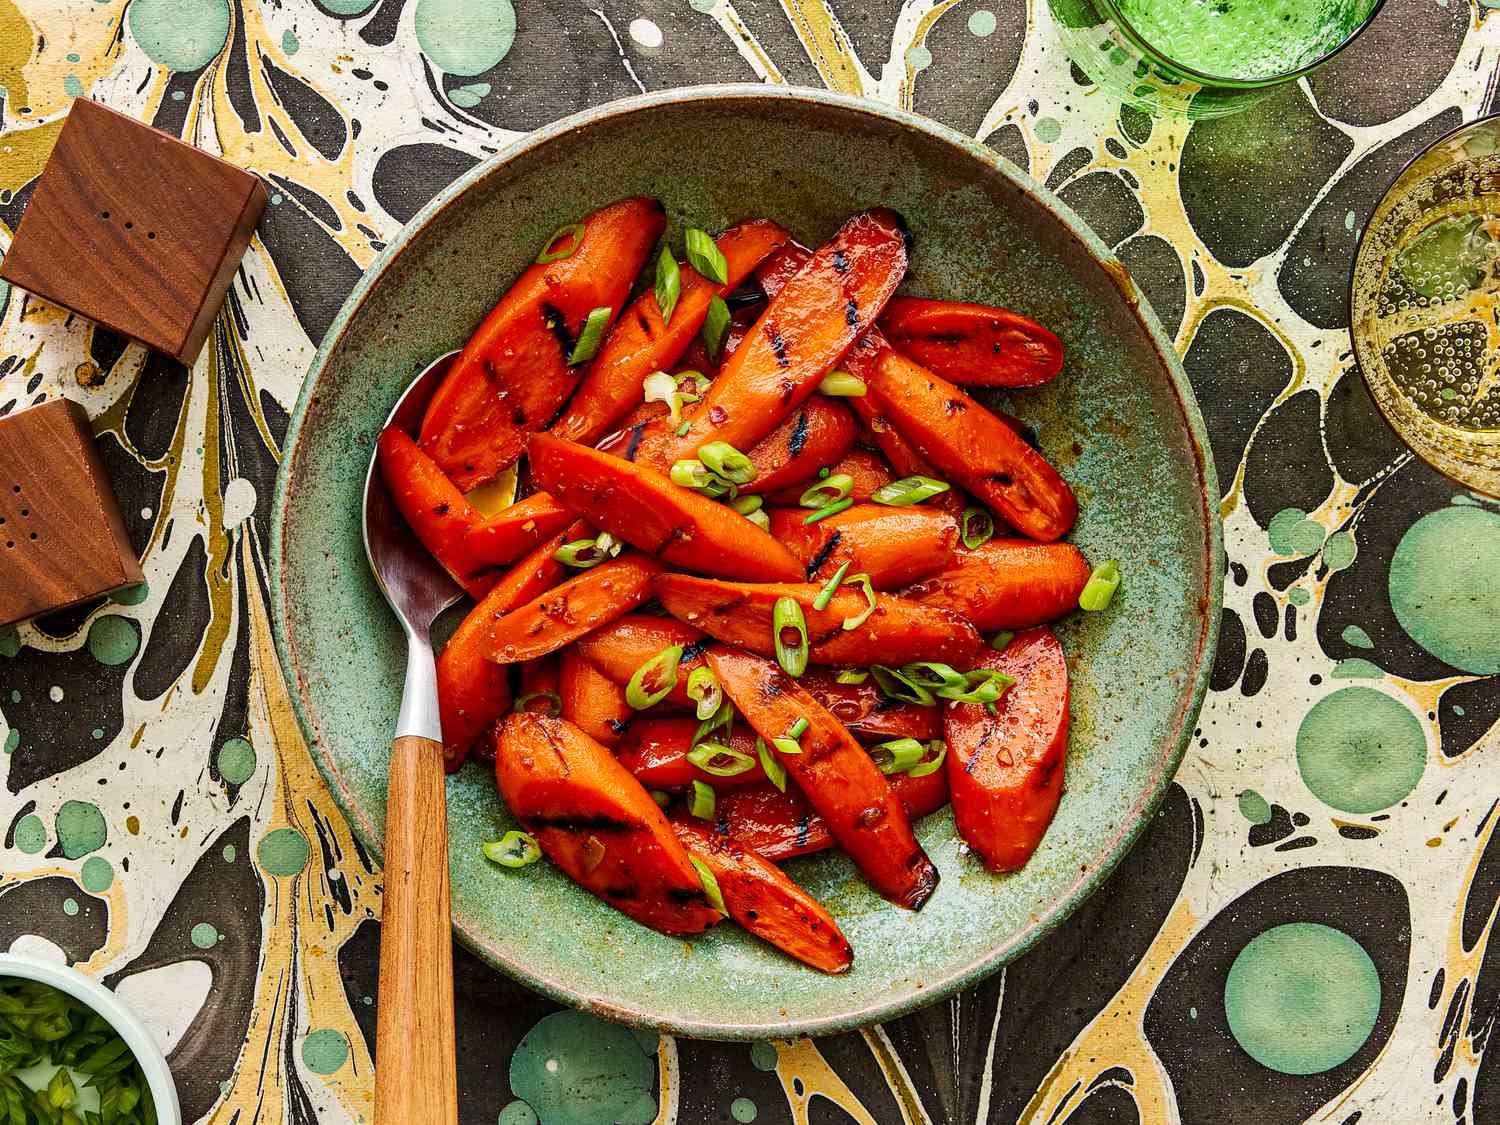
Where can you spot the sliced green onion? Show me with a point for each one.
(908, 490)
(701, 803)
(787, 745)
(789, 627)
(683, 429)
(797, 729)
(710, 885)
(864, 583)
(514, 849)
(571, 237)
(704, 690)
(720, 760)
(978, 527)
(828, 490)
(581, 554)
(935, 677)
(722, 719)
(825, 595)
(894, 684)
(661, 387)
(984, 686)
(841, 384)
(898, 755)
(1002, 640)
(661, 797)
(555, 701)
(939, 749)
(715, 325)
(744, 505)
(668, 283)
(690, 473)
(760, 519)
(775, 772)
(727, 462)
(1100, 589)
(654, 680)
(705, 257)
(592, 335)
(828, 510)
(851, 676)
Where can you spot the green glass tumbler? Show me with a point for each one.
(1204, 58)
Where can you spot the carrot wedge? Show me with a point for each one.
(597, 823)
(817, 434)
(967, 442)
(432, 506)
(641, 343)
(1006, 770)
(656, 754)
(618, 648)
(894, 546)
(515, 371)
(495, 541)
(768, 904)
(592, 701)
(833, 771)
(1007, 583)
(867, 470)
(811, 322)
(562, 615)
(648, 511)
(781, 825)
(979, 345)
(868, 712)
(897, 632)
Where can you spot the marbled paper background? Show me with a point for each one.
(165, 829)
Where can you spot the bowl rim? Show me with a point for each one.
(102, 1000)
(1093, 876)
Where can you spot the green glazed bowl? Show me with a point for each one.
(1120, 423)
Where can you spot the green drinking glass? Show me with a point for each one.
(1204, 58)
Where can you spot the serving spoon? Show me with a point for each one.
(415, 1068)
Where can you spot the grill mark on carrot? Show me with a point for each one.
(851, 312)
(635, 440)
(817, 561)
(557, 323)
(798, 439)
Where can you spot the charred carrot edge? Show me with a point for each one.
(1007, 583)
(835, 774)
(514, 372)
(473, 691)
(896, 632)
(597, 823)
(768, 904)
(432, 506)
(1006, 770)
(818, 434)
(591, 700)
(646, 510)
(498, 540)
(656, 753)
(982, 345)
(565, 613)
(894, 546)
(640, 343)
(867, 470)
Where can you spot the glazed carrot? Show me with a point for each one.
(833, 771)
(562, 615)
(640, 343)
(594, 820)
(814, 319)
(591, 700)
(894, 546)
(647, 510)
(433, 508)
(656, 753)
(967, 442)
(498, 540)
(981, 345)
(541, 680)
(897, 632)
(868, 712)
(817, 434)
(514, 372)
(474, 691)
(780, 825)
(620, 647)
(867, 470)
(781, 266)
(1006, 770)
(1007, 583)
(768, 904)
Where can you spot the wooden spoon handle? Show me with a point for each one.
(415, 1072)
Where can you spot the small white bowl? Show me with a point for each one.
(145, 1049)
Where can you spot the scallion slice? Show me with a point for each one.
(908, 490)
(668, 283)
(661, 387)
(581, 554)
(722, 719)
(789, 628)
(551, 698)
(938, 678)
(841, 384)
(661, 797)
(851, 676)
(939, 749)
(797, 729)
(1100, 589)
(760, 519)
(715, 325)
(1001, 640)
(828, 510)
(701, 802)
(984, 686)
(863, 582)
(775, 772)
(828, 490)
(744, 505)
(514, 849)
(898, 755)
(690, 473)
(654, 680)
(683, 429)
(720, 760)
(705, 257)
(704, 690)
(787, 745)
(825, 595)
(978, 527)
(591, 335)
(895, 685)
(563, 243)
(727, 462)
(710, 885)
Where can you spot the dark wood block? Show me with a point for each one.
(135, 230)
(61, 536)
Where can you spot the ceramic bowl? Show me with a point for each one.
(1120, 422)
